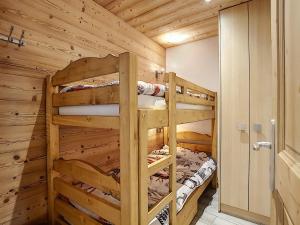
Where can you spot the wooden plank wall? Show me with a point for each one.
(56, 32)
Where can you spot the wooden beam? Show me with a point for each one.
(160, 206)
(188, 116)
(101, 207)
(91, 96)
(193, 100)
(119, 5)
(110, 122)
(86, 68)
(155, 118)
(128, 139)
(73, 215)
(87, 173)
(160, 164)
(52, 149)
(172, 129)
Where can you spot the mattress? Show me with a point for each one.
(144, 102)
(193, 169)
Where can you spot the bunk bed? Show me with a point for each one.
(131, 187)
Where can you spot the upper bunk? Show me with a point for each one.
(101, 106)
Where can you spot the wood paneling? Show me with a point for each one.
(158, 19)
(234, 106)
(56, 32)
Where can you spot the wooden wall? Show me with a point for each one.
(56, 31)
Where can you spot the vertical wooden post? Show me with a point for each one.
(143, 168)
(214, 134)
(128, 139)
(52, 150)
(172, 144)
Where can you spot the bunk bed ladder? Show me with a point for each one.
(145, 170)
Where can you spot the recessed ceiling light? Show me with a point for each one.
(208, 0)
(174, 38)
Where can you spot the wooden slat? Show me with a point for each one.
(159, 165)
(101, 207)
(86, 173)
(188, 116)
(192, 86)
(91, 96)
(86, 68)
(184, 98)
(73, 215)
(88, 121)
(159, 206)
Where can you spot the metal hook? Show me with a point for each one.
(10, 39)
(21, 42)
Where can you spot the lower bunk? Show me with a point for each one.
(87, 195)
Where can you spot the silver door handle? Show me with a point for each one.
(269, 146)
(262, 144)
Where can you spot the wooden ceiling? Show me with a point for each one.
(171, 22)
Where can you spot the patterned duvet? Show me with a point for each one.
(143, 88)
(193, 168)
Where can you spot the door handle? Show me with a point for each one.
(269, 146)
(262, 144)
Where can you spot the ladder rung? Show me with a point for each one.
(159, 164)
(160, 206)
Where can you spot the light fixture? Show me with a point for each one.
(174, 38)
(207, 0)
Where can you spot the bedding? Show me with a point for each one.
(193, 168)
(143, 88)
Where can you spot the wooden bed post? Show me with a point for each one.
(214, 134)
(52, 150)
(128, 139)
(172, 145)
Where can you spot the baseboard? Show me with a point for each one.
(243, 214)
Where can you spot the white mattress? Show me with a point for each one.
(144, 102)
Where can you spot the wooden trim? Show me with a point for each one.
(253, 217)
(101, 207)
(159, 206)
(188, 115)
(91, 96)
(73, 215)
(172, 146)
(87, 173)
(128, 139)
(184, 98)
(112, 122)
(52, 149)
(159, 164)
(86, 68)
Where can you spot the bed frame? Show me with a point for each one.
(133, 125)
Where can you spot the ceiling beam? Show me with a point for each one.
(119, 5)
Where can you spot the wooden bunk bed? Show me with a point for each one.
(133, 124)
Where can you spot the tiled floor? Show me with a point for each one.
(209, 215)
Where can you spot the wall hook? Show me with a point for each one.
(20, 42)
